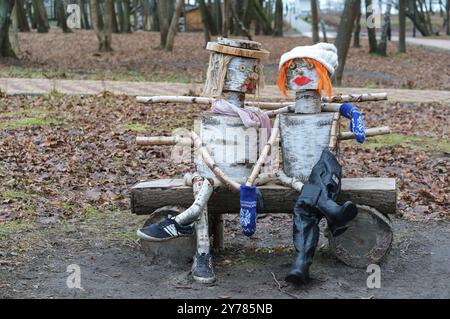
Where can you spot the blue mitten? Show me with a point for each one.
(248, 209)
(356, 121)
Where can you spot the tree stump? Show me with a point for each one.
(175, 251)
(367, 240)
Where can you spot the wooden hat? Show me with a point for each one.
(239, 47)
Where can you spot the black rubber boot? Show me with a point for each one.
(326, 176)
(306, 235)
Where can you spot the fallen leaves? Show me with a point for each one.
(88, 161)
(137, 57)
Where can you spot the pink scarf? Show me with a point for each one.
(251, 117)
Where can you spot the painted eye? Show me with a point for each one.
(242, 68)
(292, 66)
(309, 65)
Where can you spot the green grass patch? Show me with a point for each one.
(13, 227)
(136, 127)
(94, 213)
(127, 75)
(413, 142)
(371, 85)
(16, 195)
(29, 122)
(26, 112)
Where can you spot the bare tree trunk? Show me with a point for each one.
(119, 9)
(278, 30)
(156, 25)
(126, 16)
(163, 22)
(14, 31)
(41, 16)
(371, 30)
(103, 25)
(401, 26)
(447, 9)
(344, 35)
(218, 15)
(109, 18)
(419, 15)
(62, 16)
(314, 22)
(84, 17)
(382, 46)
(174, 26)
(114, 24)
(356, 42)
(207, 19)
(238, 22)
(267, 26)
(248, 14)
(22, 17)
(225, 18)
(324, 30)
(6, 8)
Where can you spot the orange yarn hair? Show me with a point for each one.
(324, 82)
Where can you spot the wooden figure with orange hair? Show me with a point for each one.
(308, 143)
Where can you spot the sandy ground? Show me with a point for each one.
(34, 264)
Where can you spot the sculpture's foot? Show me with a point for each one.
(202, 269)
(165, 230)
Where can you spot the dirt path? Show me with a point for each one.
(20, 86)
(34, 260)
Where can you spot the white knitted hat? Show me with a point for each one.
(325, 53)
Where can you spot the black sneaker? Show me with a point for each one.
(202, 269)
(165, 230)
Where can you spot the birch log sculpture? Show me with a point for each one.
(305, 133)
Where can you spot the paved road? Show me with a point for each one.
(15, 86)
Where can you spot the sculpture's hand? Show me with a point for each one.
(357, 125)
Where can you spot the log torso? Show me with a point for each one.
(303, 138)
(233, 146)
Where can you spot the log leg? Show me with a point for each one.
(201, 229)
(217, 232)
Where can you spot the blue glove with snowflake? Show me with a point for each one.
(356, 121)
(248, 209)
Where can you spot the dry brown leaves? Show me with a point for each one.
(87, 158)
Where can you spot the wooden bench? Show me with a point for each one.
(146, 197)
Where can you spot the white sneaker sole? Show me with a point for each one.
(203, 280)
(143, 236)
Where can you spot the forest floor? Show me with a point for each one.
(137, 57)
(67, 164)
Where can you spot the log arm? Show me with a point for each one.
(369, 132)
(328, 105)
(264, 153)
(287, 181)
